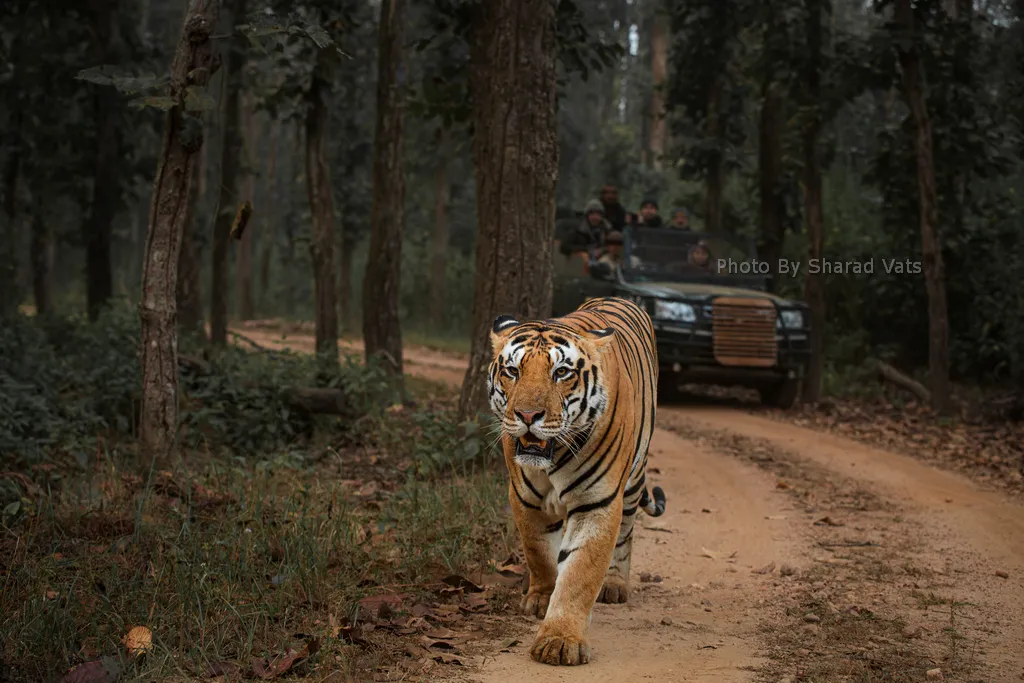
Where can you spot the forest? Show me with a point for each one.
(251, 252)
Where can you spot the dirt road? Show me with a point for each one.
(787, 554)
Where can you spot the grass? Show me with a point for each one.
(236, 556)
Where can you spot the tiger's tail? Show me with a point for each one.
(656, 507)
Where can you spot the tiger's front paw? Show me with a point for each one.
(558, 648)
(535, 603)
(614, 591)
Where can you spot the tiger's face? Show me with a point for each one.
(545, 385)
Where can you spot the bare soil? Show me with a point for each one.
(787, 554)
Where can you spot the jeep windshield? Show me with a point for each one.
(672, 255)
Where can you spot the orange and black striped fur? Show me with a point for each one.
(576, 400)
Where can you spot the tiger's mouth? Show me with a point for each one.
(530, 445)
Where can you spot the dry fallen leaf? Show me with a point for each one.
(229, 669)
(105, 670)
(267, 668)
(462, 583)
(138, 641)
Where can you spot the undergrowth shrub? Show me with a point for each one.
(65, 381)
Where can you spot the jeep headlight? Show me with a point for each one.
(674, 310)
(791, 320)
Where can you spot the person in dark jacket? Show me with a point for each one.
(591, 232)
(680, 219)
(614, 212)
(649, 214)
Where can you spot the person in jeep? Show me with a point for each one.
(614, 213)
(591, 232)
(680, 220)
(649, 217)
(700, 256)
(615, 254)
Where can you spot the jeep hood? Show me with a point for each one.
(694, 290)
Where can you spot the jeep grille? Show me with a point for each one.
(743, 331)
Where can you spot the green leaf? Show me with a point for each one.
(126, 82)
(12, 508)
(156, 101)
(197, 99)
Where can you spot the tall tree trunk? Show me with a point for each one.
(10, 296)
(382, 329)
(715, 181)
(189, 292)
(266, 241)
(814, 282)
(230, 161)
(439, 251)
(99, 276)
(192, 65)
(770, 179)
(42, 252)
(659, 80)
(348, 245)
(931, 250)
(515, 154)
(243, 264)
(321, 207)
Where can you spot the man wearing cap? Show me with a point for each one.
(649, 214)
(591, 232)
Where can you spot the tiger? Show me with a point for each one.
(575, 398)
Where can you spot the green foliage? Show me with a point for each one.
(443, 90)
(228, 558)
(63, 381)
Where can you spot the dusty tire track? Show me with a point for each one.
(714, 619)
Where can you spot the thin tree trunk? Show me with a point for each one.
(439, 252)
(230, 158)
(382, 329)
(10, 296)
(99, 276)
(934, 268)
(266, 241)
(42, 256)
(243, 270)
(659, 79)
(814, 283)
(348, 245)
(193, 62)
(189, 291)
(770, 178)
(321, 206)
(515, 154)
(715, 181)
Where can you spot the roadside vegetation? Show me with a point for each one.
(275, 539)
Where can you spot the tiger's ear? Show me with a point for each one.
(600, 338)
(500, 330)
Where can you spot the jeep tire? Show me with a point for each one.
(781, 394)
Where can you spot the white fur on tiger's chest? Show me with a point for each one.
(553, 506)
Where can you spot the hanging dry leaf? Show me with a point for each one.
(242, 217)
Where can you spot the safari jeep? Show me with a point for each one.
(714, 324)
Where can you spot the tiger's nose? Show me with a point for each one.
(529, 416)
